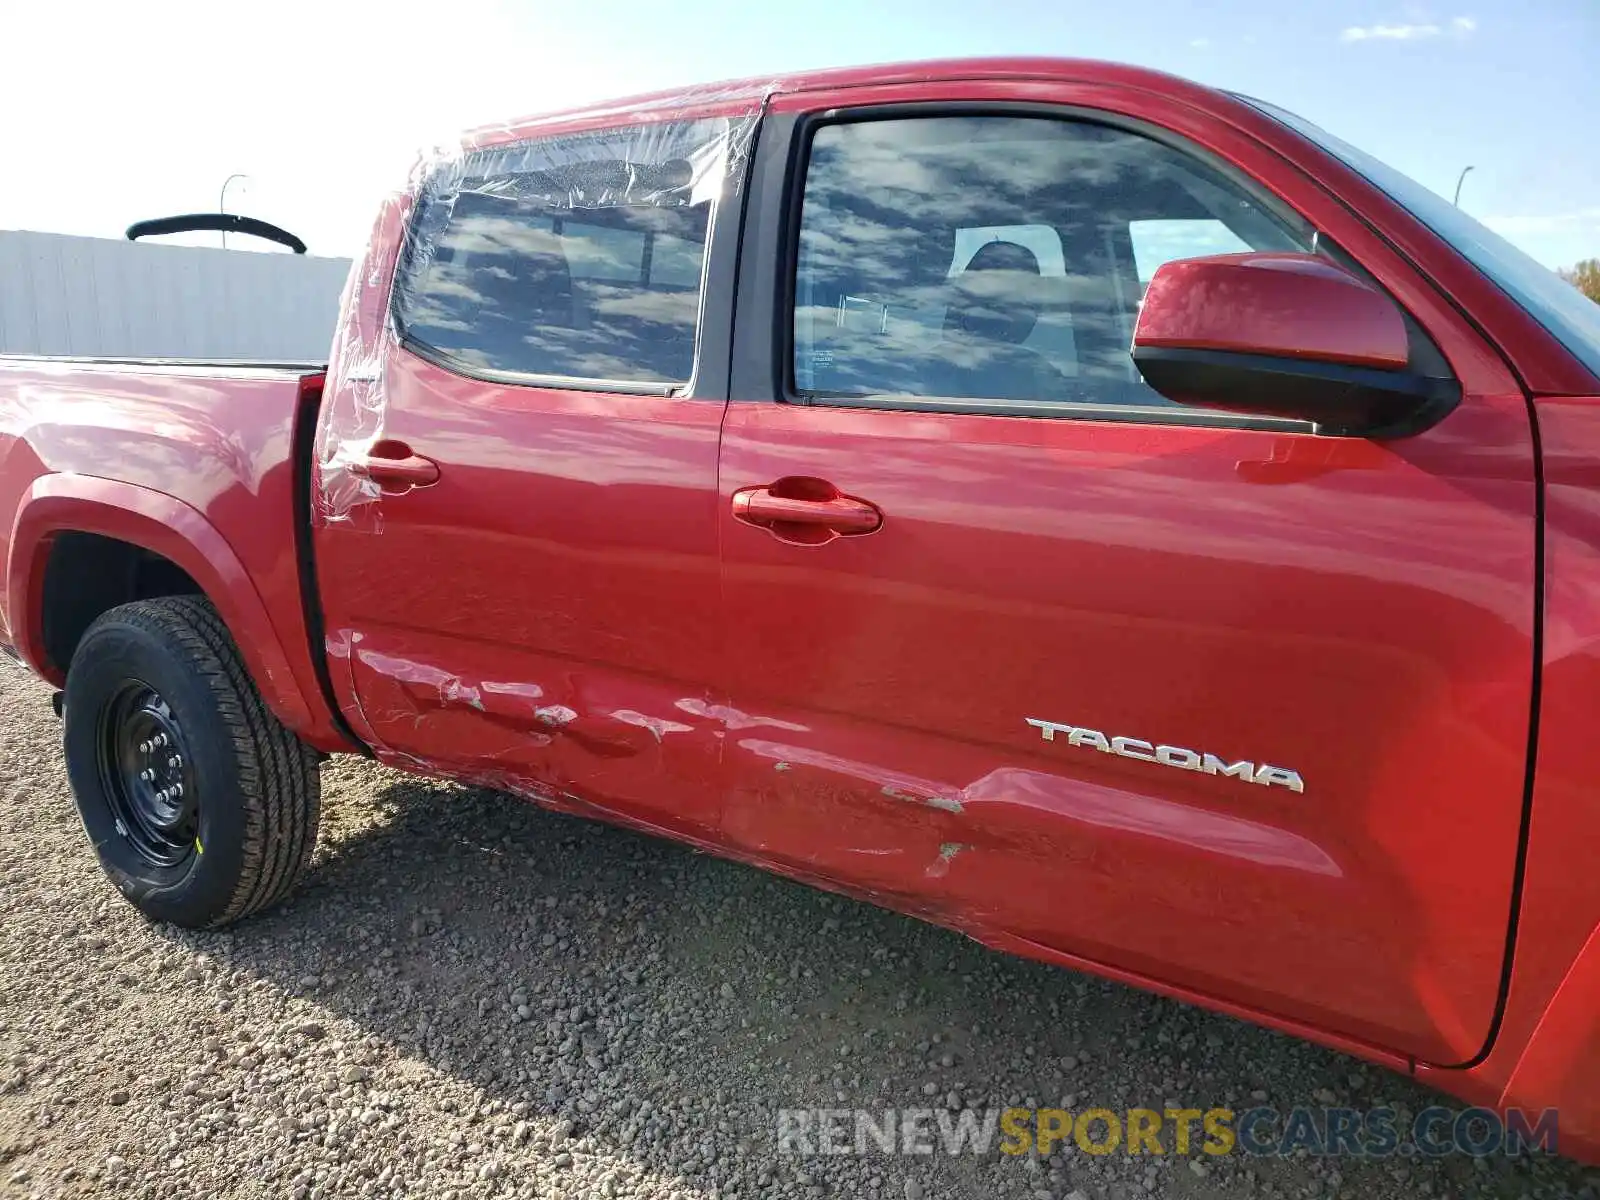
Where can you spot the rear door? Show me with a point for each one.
(1216, 702)
(518, 545)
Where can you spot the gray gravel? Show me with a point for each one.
(471, 997)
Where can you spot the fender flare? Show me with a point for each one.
(72, 503)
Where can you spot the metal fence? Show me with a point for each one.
(95, 297)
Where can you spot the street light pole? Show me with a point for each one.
(221, 199)
(1459, 180)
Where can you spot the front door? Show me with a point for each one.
(1216, 702)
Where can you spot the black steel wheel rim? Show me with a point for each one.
(147, 776)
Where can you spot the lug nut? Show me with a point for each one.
(161, 796)
(161, 739)
(177, 790)
(175, 762)
(147, 775)
(146, 747)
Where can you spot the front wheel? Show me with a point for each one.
(201, 807)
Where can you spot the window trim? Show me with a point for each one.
(777, 192)
(1054, 410)
(565, 383)
(714, 315)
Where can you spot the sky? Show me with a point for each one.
(115, 112)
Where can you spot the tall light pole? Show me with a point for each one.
(222, 200)
(1459, 180)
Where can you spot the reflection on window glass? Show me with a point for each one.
(675, 262)
(577, 257)
(994, 257)
(596, 252)
(1052, 333)
(1156, 243)
(1043, 241)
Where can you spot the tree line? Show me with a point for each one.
(1585, 277)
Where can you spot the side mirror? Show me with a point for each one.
(1285, 335)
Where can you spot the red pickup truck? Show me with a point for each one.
(1105, 515)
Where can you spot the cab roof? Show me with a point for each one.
(747, 96)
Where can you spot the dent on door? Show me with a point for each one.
(518, 462)
(1362, 628)
(574, 738)
(536, 617)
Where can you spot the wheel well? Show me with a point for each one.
(88, 574)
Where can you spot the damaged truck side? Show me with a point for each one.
(1101, 514)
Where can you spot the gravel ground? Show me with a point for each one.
(471, 997)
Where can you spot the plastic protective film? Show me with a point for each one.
(654, 155)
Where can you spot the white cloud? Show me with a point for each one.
(1458, 27)
(1557, 237)
(1388, 33)
(1200, 43)
(1583, 219)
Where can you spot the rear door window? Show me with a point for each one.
(571, 259)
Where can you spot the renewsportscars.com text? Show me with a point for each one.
(1262, 1131)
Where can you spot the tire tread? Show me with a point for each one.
(279, 778)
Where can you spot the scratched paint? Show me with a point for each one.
(733, 718)
(894, 784)
(938, 800)
(940, 866)
(658, 726)
(527, 691)
(555, 715)
(500, 717)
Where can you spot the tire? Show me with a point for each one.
(201, 807)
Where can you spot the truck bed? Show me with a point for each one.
(219, 449)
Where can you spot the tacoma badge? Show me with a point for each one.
(1170, 756)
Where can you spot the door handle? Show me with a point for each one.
(392, 464)
(805, 511)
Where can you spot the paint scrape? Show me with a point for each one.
(656, 725)
(947, 854)
(944, 803)
(732, 717)
(555, 715)
(453, 691)
(527, 691)
(417, 679)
